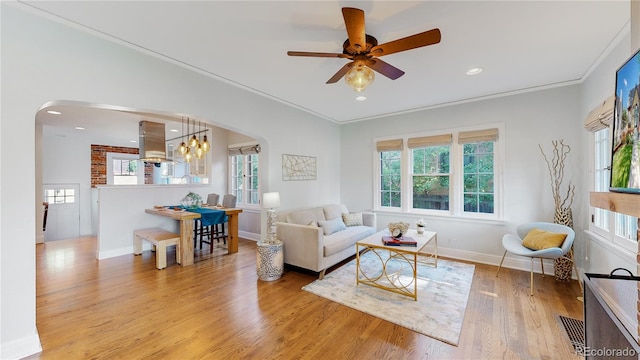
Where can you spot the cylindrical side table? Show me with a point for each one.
(270, 261)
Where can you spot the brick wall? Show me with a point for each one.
(99, 163)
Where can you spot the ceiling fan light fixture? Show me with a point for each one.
(359, 77)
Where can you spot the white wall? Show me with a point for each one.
(529, 119)
(44, 61)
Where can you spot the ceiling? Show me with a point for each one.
(521, 45)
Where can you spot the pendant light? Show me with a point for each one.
(182, 149)
(188, 156)
(199, 151)
(205, 143)
(194, 141)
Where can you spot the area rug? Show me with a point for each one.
(442, 296)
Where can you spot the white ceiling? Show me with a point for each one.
(521, 45)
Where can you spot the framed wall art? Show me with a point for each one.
(298, 167)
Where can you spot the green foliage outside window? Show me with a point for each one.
(390, 179)
(478, 177)
(431, 177)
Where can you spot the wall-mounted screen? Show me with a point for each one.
(625, 154)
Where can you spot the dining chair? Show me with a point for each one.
(228, 201)
(200, 231)
(212, 199)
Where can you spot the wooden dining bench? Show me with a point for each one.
(161, 239)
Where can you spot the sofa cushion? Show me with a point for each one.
(304, 217)
(333, 211)
(341, 240)
(352, 219)
(331, 226)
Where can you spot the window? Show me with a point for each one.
(601, 172)
(625, 227)
(442, 176)
(478, 177)
(245, 174)
(430, 157)
(124, 169)
(390, 174)
(60, 196)
(125, 172)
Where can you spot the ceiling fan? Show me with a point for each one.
(364, 50)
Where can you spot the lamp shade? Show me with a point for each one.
(271, 200)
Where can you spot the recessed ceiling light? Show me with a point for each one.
(133, 141)
(79, 128)
(52, 112)
(474, 71)
(174, 130)
(361, 98)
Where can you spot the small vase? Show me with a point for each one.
(563, 267)
(420, 229)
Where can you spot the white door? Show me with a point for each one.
(63, 217)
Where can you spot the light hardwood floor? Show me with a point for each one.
(123, 308)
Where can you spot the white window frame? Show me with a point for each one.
(246, 193)
(123, 156)
(612, 218)
(456, 199)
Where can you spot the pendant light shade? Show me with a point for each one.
(205, 144)
(182, 148)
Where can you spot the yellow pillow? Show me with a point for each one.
(538, 239)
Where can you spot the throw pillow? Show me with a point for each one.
(538, 239)
(331, 226)
(352, 219)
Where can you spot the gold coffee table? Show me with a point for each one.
(395, 262)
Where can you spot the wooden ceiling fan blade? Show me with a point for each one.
(384, 68)
(410, 42)
(354, 21)
(337, 76)
(318, 54)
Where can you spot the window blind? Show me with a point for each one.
(602, 116)
(425, 141)
(466, 137)
(389, 145)
(244, 150)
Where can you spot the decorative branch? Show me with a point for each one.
(556, 173)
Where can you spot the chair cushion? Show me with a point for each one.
(352, 219)
(538, 239)
(331, 226)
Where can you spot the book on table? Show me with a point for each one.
(403, 241)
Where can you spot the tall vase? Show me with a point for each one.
(563, 267)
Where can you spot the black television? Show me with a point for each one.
(625, 144)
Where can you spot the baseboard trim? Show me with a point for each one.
(101, 255)
(21, 348)
(510, 262)
(249, 235)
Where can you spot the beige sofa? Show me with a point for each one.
(317, 238)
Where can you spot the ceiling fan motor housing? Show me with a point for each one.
(348, 49)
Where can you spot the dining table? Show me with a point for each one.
(186, 219)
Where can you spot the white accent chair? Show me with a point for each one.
(513, 245)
